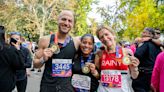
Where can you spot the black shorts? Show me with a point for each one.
(57, 88)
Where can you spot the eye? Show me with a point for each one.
(70, 21)
(63, 19)
(90, 43)
(84, 42)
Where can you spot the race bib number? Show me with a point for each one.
(81, 82)
(111, 78)
(61, 67)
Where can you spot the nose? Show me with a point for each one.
(104, 37)
(66, 22)
(86, 45)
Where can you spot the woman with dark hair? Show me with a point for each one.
(84, 77)
(10, 60)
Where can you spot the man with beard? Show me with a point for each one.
(57, 52)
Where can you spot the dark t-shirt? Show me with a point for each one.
(77, 69)
(147, 54)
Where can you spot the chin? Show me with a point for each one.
(109, 45)
(64, 31)
(86, 54)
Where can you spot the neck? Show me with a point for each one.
(111, 49)
(85, 55)
(62, 36)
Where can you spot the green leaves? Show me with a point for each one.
(132, 16)
(39, 17)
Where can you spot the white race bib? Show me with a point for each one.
(81, 81)
(61, 67)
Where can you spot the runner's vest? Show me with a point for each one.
(114, 74)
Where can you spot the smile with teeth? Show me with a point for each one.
(85, 49)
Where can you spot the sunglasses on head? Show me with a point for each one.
(15, 33)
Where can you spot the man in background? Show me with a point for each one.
(21, 75)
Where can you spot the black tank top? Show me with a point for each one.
(66, 52)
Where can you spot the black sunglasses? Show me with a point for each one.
(158, 33)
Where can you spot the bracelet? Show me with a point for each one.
(42, 61)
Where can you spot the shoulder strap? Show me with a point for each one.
(52, 38)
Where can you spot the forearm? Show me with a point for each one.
(96, 74)
(38, 63)
(134, 72)
(157, 42)
(37, 58)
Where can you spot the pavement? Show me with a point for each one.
(33, 84)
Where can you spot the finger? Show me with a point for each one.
(88, 64)
(13, 43)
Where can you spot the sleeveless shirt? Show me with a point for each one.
(109, 62)
(66, 52)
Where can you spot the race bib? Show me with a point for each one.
(81, 82)
(61, 67)
(111, 78)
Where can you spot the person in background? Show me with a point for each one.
(85, 59)
(146, 53)
(116, 64)
(21, 75)
(157, 39)
(11, 59)
(157, 80)
(146, 36)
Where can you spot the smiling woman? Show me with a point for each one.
(84, 70)
(115, 73)
(87, 44)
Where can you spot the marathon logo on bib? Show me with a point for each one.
(61, 67)
(81, 82)
(111, 78)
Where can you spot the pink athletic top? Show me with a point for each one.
(157, 80)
